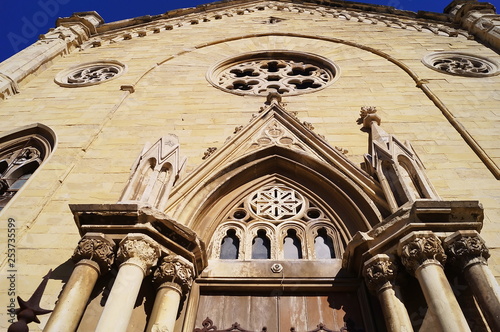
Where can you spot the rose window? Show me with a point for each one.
(460, 64)
(90, 73)
(288, 73)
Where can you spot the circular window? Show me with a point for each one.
(90, 73)
(455, 63)
(285, 72)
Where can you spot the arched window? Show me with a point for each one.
(21, 153)
(292, 247)
(261, 246)
(323, 245)
(230, 245)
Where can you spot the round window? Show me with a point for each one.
(284, 72)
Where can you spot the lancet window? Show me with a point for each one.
(276, 222)
(21, 153)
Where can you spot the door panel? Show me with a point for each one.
(303, 312)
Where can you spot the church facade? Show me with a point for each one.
(254, 166)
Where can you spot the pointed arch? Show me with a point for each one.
(22, 152)
(352, 210)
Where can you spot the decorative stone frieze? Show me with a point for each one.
(419, 248)
(465, 248)
(176, 272)
(95, 247)
(379, 272)
(139, 250)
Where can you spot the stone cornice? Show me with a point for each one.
(117, 220)
(440, 217)
(366, 13)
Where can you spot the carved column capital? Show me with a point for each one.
(97, 248)
(139, 250)
(379, 272)
(466, 248)
(419, 248)
(175, 272)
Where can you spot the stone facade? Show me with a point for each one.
(152, 172)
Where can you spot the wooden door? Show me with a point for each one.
(337, 311)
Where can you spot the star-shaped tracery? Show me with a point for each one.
(276, 203)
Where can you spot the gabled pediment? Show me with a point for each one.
(279, 139)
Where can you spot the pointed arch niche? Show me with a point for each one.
(277, 221)
(22, 151)
(276, 206)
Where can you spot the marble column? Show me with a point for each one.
(423, 256)
(380, 273)
(93, 256)
(139, 253)
(173, 278)
(468, 252)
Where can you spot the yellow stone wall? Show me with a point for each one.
(101, 130)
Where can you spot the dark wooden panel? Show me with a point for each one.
(292, 313)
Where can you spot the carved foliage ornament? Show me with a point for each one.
(90, 73)
(284, 72)
(140, 251)
(421, 248)
(379, 272)
(174, 270)
(97, 250)
(461, 64)
(468, 250)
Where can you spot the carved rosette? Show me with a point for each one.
(466, 248)
(139, 250)
(175, 272)
(418, 248)
(97, 248)
(379, 272)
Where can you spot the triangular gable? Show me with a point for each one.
(274, 129)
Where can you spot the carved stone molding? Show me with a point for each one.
(379, 271)
(418, 248)
(465, 248)
(176, 272)
(96, 247)
(140, 250)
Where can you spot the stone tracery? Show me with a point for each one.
(284, 72)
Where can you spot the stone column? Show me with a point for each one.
(380, 273)
(138, 253)
(424, 257)
(468, 252)
(173, 278)
(93, 256)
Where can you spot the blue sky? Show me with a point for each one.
(22, 21)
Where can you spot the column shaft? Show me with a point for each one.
(395, 314)
(94, 256)
(73, 300)
(440, 298)
(486, 291)
(139, 253)
(165, 310)
(118, 310)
